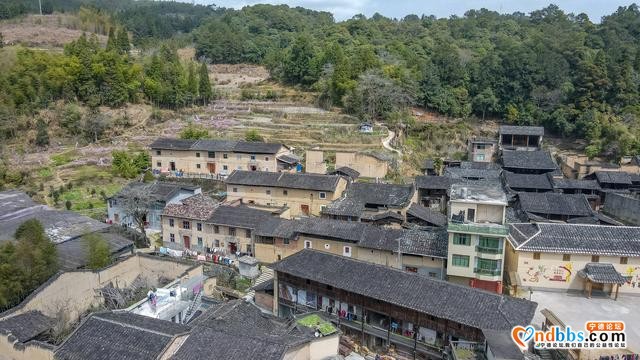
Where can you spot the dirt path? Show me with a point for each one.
(386, 142)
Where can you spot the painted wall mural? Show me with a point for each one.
(560, 273)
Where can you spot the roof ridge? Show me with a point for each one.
(533, 236)
(97, 316)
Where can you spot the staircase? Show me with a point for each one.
(195, 304)
(266, 275)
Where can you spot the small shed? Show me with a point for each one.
(597, 275)
(248, 267)
(366, 127)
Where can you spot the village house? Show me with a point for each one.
(527, 182)
(347, 172)
(527, 138)
(433, 191)
(469, 170)
(65, 229)
(303, 194)
(382, 204)
(477, 233)
(554, 206)
(369, 165)
(381, 306)
(623, 207)
(422, 216)
(164, 193)
(590, 188)
(218, 157)
(482, 149)
(528, 162)
(184, 223)
(552, 256)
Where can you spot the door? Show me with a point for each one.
(187, 242)
(233, 248)
(211, 167)
(172, 166)
(304, 209)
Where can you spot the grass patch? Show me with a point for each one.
(63, 158)
(314, 321)
(45, 173)
(242, 284)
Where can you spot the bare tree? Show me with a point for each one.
(136, 200)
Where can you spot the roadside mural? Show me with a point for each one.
(556, 273)
(632, 274)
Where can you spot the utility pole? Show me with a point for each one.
(40, 6)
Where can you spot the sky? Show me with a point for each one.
(345, 9)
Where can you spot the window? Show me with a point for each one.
(536, 256)
(595, 258)
(199, 241)
(253, 157)
(225, 156)
(471, 214)
(171, 222)
(235, 189)
(211, 154)
(159, 164)
(489, 243)
(346, 251)
(479, 157)
(216, 229)
(460, 260)
(266, 158)
(624, 260)
(232, 231)
(186, 225)
(480, 146)
(285, 192)
(566, 257)
(216, 243)
(158, 152)
(487, 264)
(247, 233)
(307, 244)
(199, 226)
(197, 154)
(197, 166)
(285, 241)
(172, 237)
(411, 269)
(225, 167)
(323, 195)
(461, 239)
(268, 192)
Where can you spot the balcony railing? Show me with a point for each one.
(475, 228)
(491, 272)
(488, 250)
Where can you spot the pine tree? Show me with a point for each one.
(123, 41)
(42, 135)
(206, 93)
(192, 84)
(112, 43)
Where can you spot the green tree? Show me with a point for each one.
(206, 93)
(122, 41)
(42, 133)
(112, 42)
(253, 135)
(98, 252)
(194, 132)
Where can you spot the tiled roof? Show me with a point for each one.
(502, 346)
(613, 177)
(575, 184)
(284, 180)
(521, 130)
(199, 207)
(536, 160)
(474, 170)
(347, 171)
(123, 336)
(434, 182)
(238, 216)
(73, 254)
(289, 159)
(361, 195)
(414, 242)
(424, 213)
(602, 273)
(602, 240)
(27, 326)
(527, 181)
(248, 147)
(461, 304)
(555, 204)
(162, 191)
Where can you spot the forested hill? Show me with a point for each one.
(563, 71)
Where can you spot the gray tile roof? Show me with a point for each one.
(613, 177)
(601, 240)
(555, 204)
(162, 191)
(433, 243)
(527, 181)
(27, 326)
(521, 130)
(535, 160)
(289, 159)
(575, 184)
(474, 170)
(539, 159)
(73, 254)
(199, 207)
(434, 182)
(123, 336)
(362, 195)
(238, 216)
(346, 171)
(602, 273)
(284, 180)
(217, 145)
(424, 213)
(462, 304)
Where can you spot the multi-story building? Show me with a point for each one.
(184, 223)
(482, 149)
(477, 234)
(218, 157)
(381, 307)
(303, 194)
(527, 138)
(593, 258)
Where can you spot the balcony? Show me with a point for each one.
(476, 228)
(489, 272)
(488, 250)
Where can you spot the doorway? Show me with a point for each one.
(187, 242)
(211, 167)
(172, 166)
(304, 209)
(233, 248)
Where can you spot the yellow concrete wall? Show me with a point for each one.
(187, 160)
(314, 162)
(484, 212)
(30, 351)
(294, 199)
(366, 165)
(552, 272)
